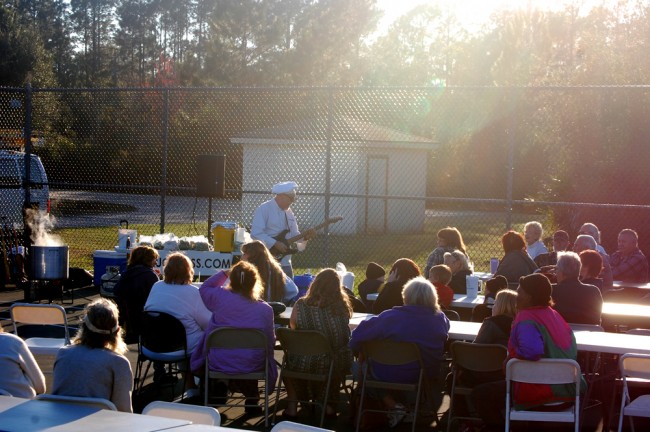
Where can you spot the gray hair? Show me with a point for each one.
(569, 264)
(592, 230)
(536, 226)
(419, 291)
(585, 240)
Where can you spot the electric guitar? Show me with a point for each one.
(289, 241)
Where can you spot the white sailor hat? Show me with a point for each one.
(288, 188)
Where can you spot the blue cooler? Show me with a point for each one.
(302, 282)
(102, 259)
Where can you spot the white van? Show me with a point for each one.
(12, 194)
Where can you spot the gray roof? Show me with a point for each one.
(345, 130)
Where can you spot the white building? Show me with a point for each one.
(366, 159)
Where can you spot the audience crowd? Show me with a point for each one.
(529, 302)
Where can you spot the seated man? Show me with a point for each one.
(586, 242)
(592, 230)
(628, 262)
(560, 243)
(577, 302)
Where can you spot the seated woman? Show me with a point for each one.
(492, 287)
(496, 329)
(176, 296)
(592, 266)
(20, 376)
(533, 232)
(278, 287)
(133, 288)
(538, 331)
(326, 308)
(421, 321)
(238, 305)
(516, 262)
(449, 240)
(403, 270)
(460, 267)
(94, 364)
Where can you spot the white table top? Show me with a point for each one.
(626, 309)
(613, 343)
(605, 342)
(24, 415)
(620, 284)
(203, 428)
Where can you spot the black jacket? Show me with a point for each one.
(131, 293)
(577, 302)
(516, 264)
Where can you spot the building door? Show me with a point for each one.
(376, 185)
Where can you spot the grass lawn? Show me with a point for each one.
(481, 232)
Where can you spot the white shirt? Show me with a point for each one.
(269, 221)
(536, 248)
(184, 303)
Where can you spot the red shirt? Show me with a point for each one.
(445, 295)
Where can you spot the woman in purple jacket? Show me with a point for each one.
(237, 305)
(420, 321)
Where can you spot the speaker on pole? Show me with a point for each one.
(210, 176)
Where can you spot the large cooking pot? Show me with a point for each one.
(49, 262)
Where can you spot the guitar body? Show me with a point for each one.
(282, 238)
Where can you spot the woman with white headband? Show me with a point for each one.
(94, 365)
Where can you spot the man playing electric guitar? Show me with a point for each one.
(274, 217)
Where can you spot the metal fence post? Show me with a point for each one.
(511, 162)
(27, 136)
(163, 176)
(328, 170)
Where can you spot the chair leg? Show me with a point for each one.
(417, 405)
(277, 398)
(363, 394)
(266, 401)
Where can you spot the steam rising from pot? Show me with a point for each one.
(41, 225)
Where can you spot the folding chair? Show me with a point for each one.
(452, 315)
(472, 357)
(305, 343)
(238, 338)
(194, 413)
(633, 366)
(390, 353)
(163, 340)
(543, 371)
(42, 315)
(100, 403)
(287, 426)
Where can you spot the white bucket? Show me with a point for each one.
(471, 283)
(126, 238)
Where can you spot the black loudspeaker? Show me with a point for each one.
(210, 176)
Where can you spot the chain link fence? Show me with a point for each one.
(397, 164)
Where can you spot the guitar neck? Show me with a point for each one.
(316, 228)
